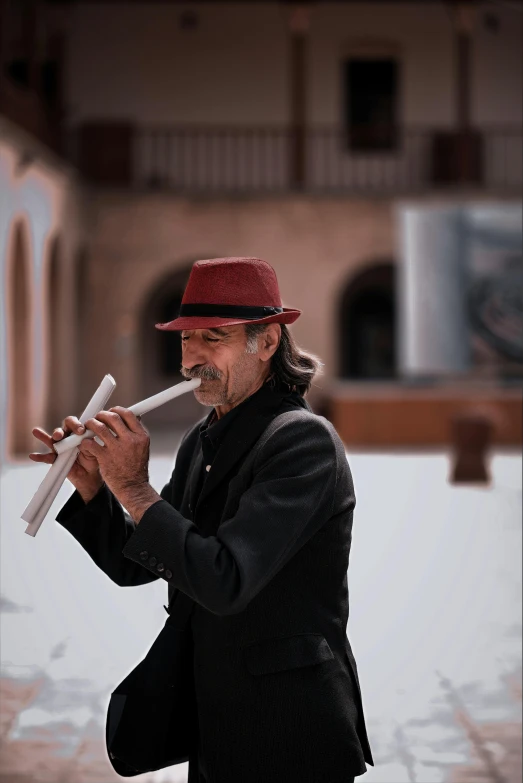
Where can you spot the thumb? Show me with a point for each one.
(89, 448)
(86, 455)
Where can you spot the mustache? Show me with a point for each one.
(207, 373)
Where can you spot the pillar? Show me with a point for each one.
(298, 21)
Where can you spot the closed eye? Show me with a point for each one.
(209, 339)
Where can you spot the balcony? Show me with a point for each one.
(262, 160)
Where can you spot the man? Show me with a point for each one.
(252, 534)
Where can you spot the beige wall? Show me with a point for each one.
(132, 60)
(149, 70)
(314, 245)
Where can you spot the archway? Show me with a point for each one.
(54, 301)
(81, 297)
(368, 325)
(161, 352)
(19, 346)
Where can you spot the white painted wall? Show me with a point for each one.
(132, 60)
(45, 199)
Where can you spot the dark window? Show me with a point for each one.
(50, 82)
(371, 104)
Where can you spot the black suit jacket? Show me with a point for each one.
(261, 578)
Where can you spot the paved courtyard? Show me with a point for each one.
(435, 626)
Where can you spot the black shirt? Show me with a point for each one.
(213, 431)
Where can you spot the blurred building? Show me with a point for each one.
(357, 147)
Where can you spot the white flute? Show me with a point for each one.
(44, 496)
(139, 408)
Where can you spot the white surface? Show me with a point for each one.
(434, 586)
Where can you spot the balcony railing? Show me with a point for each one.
(222, 160)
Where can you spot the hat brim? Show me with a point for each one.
(288, 316)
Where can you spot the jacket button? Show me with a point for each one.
(207, 468)
(152, 561)
(168, 574)
(160, 567)
(144, 555)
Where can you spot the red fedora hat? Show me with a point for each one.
(229, 291)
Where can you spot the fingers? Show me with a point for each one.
(86, 457)
(69, 424)
(49, 458)
(72, 424)
(91, 450)
(132, 422)
(42, 435)
(107, 423)
(85, 454)
(101, 431)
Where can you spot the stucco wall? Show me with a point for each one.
(133, 61)
(43, 201)
(314, 245)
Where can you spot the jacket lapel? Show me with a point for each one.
(194, 475)
(243, 434)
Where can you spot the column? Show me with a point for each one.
(468, 143)
(298, 20)
(463, 21)
(433, 330)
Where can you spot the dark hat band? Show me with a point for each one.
(227, 311)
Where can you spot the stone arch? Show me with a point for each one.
(53, 304)
(367, 323)
(19, 333)
(160, 352)
(81, 294)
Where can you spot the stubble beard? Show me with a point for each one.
(208, 396)
(211, 397)
(215, 397)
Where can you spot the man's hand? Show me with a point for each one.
(84, 474)
(123, 460)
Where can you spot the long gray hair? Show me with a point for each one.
(289, 365)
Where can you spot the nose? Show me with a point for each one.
(193, 353)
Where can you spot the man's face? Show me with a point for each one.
(218, 357)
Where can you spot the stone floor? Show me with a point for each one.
(435, 626)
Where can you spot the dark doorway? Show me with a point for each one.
(368, 325)
(161, 353)
(169, 344)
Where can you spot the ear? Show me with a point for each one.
(269, 341)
